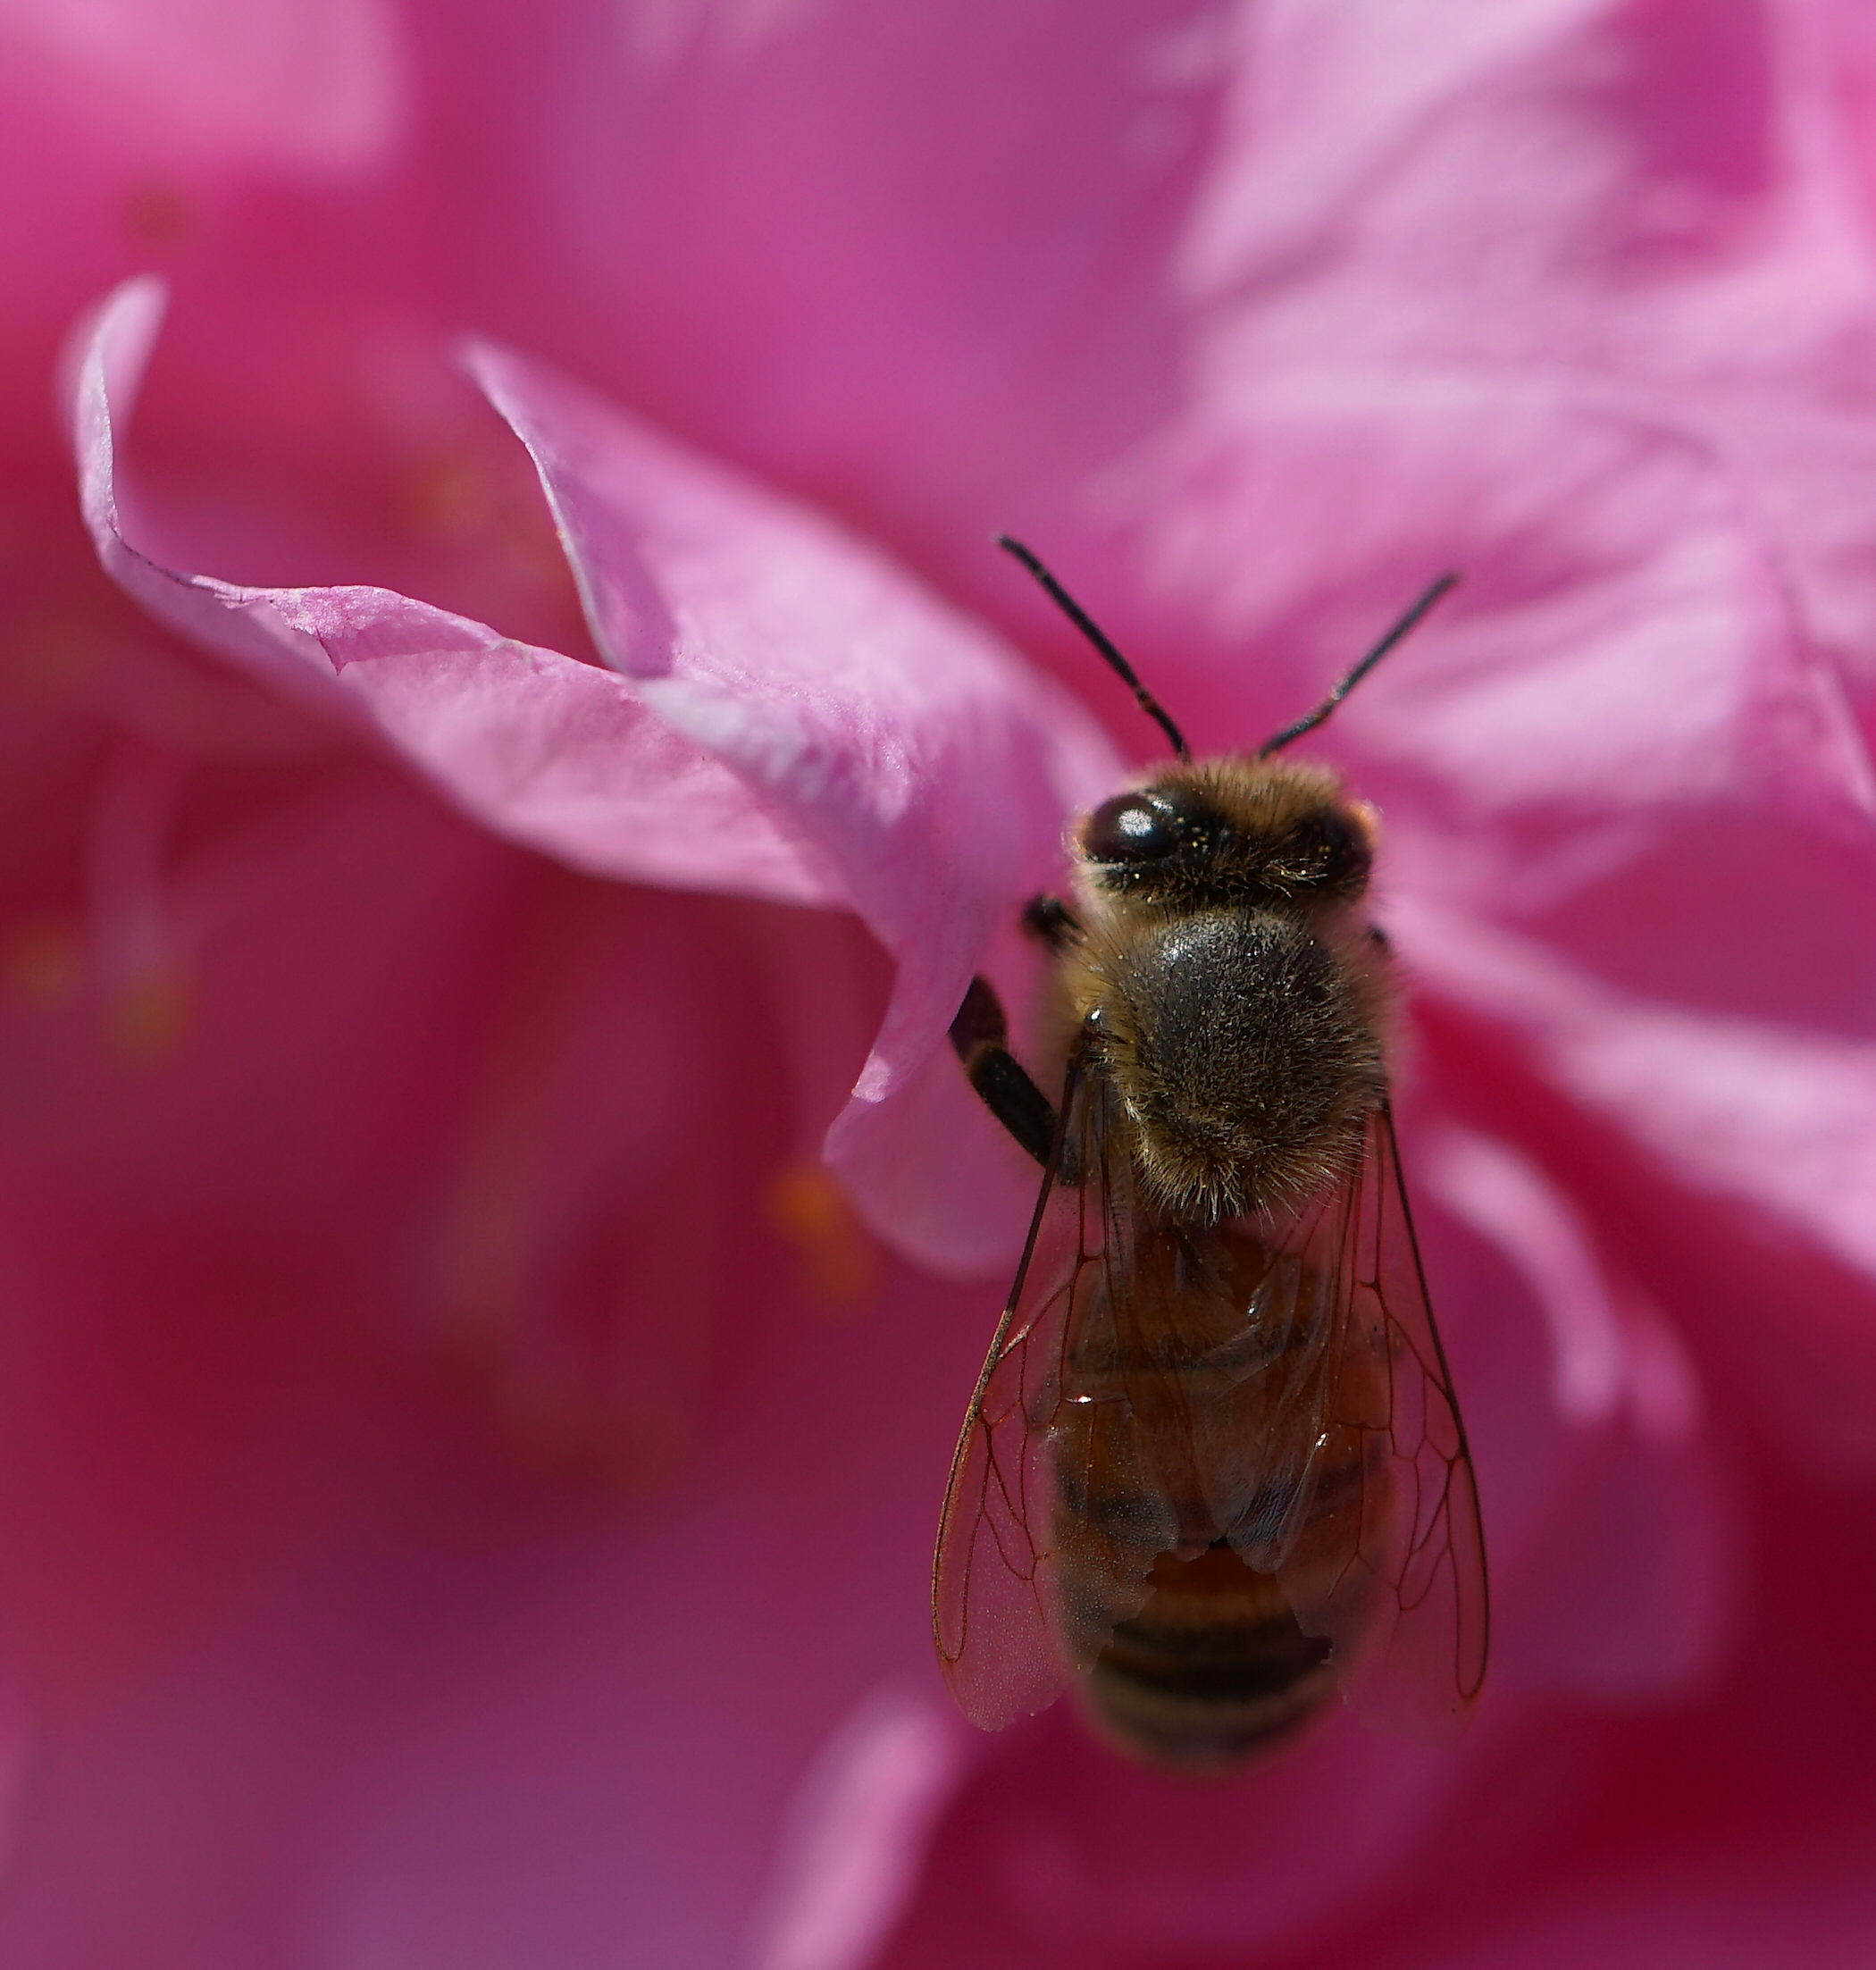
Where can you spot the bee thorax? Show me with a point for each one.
(1244, 1047)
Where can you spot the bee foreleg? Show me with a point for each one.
(981, 1035)
(1050, 918)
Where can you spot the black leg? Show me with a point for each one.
(1050, 918)
(980, 1034)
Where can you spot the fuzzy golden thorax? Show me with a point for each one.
(1226, 981)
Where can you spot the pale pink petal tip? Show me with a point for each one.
(557, 755)
(856, 1837)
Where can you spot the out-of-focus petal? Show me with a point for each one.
(1612, 1531)
(1607, 1358)
(856, 1835)
(296, 85)
(1623, 636)
(1701, 251)
(1319, 97)
(1765, 1127)
(575, 1779)
(949, 296)
(1806, 1899)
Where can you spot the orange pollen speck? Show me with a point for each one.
(841, 1263)
(41, 963)
(150, 1012)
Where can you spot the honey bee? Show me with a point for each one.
(1213, 1472)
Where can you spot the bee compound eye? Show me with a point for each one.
(1133, 827)
(1348, 852)
(1327, 850)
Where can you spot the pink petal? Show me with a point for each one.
(1603, 270)
(1804, 1899)
(1613, 1529)
(548, 752)
(1698, 253)
(298, 84)
(579, 1778)
(792, 717)
(1771, 1124)
(908, 746)
(938, 336)
(311, 1670)
(855, 1839)
(1609, 1358)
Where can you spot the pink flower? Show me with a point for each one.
(424, 1019)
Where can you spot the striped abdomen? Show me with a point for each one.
(1212, 1669)
(1203, 1490)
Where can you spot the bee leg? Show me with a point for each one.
(981, 1035)
(1050, 919)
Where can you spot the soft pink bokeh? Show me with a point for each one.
(469, 1472)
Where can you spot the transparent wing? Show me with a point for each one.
(1273, 1382)
(1371, 1525)
(1032, 1569)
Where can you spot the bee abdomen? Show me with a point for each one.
(1213, 1668)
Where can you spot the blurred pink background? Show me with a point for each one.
(468, 1463)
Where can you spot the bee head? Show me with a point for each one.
(1242, 831)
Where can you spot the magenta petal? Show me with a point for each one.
(908, 748)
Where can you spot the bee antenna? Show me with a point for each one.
(1426, 600)
(1086, 624)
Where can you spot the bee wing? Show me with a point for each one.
(1384, 1553)
(1274, 1381)
(1022, 1597)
